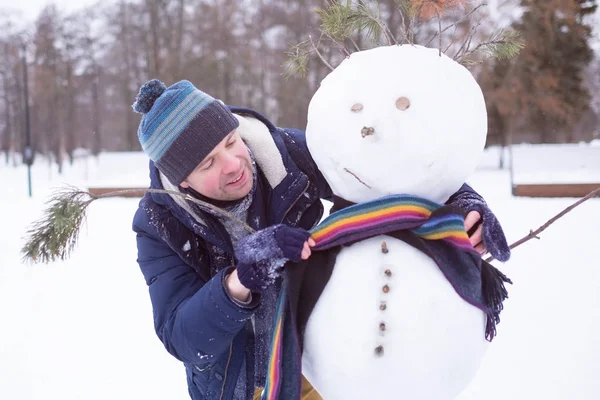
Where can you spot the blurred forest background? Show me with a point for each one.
(79, 72)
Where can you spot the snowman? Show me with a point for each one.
(388, 324)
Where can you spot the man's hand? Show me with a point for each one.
(476, 237)
(235, 288)
(306, 251)
(485, 231)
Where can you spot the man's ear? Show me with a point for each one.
(184, 185)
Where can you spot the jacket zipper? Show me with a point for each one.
(295, 201)
(226, 371)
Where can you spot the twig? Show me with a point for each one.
(412, 21)
(387, 33)
(472, 36)
(440, 27)
(357, 178)
(387, 28)
(457, 22)
(403, 24)
(461, 51)
(341, 46)
(354, 44)
(204, 204)
(534, 234)
(452, 41)
(319, 53)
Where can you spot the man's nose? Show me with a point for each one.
(231, 164)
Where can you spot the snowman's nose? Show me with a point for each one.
(367, 131)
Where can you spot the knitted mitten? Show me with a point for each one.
(262, 255)
(493, 235)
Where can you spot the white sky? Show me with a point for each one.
(31, 8)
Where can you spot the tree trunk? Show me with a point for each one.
(127, 96)
(155, 67)
(70, 104)
(96, 134)
(19, 118)
(7, 144)
(176, 70)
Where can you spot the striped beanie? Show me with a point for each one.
(180, 126)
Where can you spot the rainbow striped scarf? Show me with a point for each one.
(389, 214)
(424, 218)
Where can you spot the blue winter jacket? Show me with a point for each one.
(184, 261)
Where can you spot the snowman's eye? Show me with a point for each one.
(357, 107)
(402, 103)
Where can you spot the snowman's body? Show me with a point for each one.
(429, 345)
(388, 325)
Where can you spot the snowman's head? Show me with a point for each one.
(397, 120)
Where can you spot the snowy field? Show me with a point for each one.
(82, 329)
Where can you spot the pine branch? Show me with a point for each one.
(54, 236)
(297, 62)
(503, 45)
(535, 234)
(338, 20)
(386, 29)
(507, 44)
(370, 23)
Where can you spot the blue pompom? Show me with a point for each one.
(148, 94)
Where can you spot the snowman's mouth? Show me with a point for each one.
(356, 177)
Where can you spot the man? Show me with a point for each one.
(212, 264)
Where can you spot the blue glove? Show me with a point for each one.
(262, 255)
(493, 236)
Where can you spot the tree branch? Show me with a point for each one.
(403, 25)
(456, 23)
(319, 53)
(451, 42)
(204, 204)
(534, 234)
(354, 44)
(440, 28)
(341, 46)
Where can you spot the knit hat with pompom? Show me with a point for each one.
(180, 126)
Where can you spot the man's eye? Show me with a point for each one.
(231, 143)
(207, 165)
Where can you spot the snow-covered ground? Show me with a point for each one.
(82, 329)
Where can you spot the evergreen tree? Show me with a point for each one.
(547, 78)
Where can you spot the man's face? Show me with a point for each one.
(226, 173)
